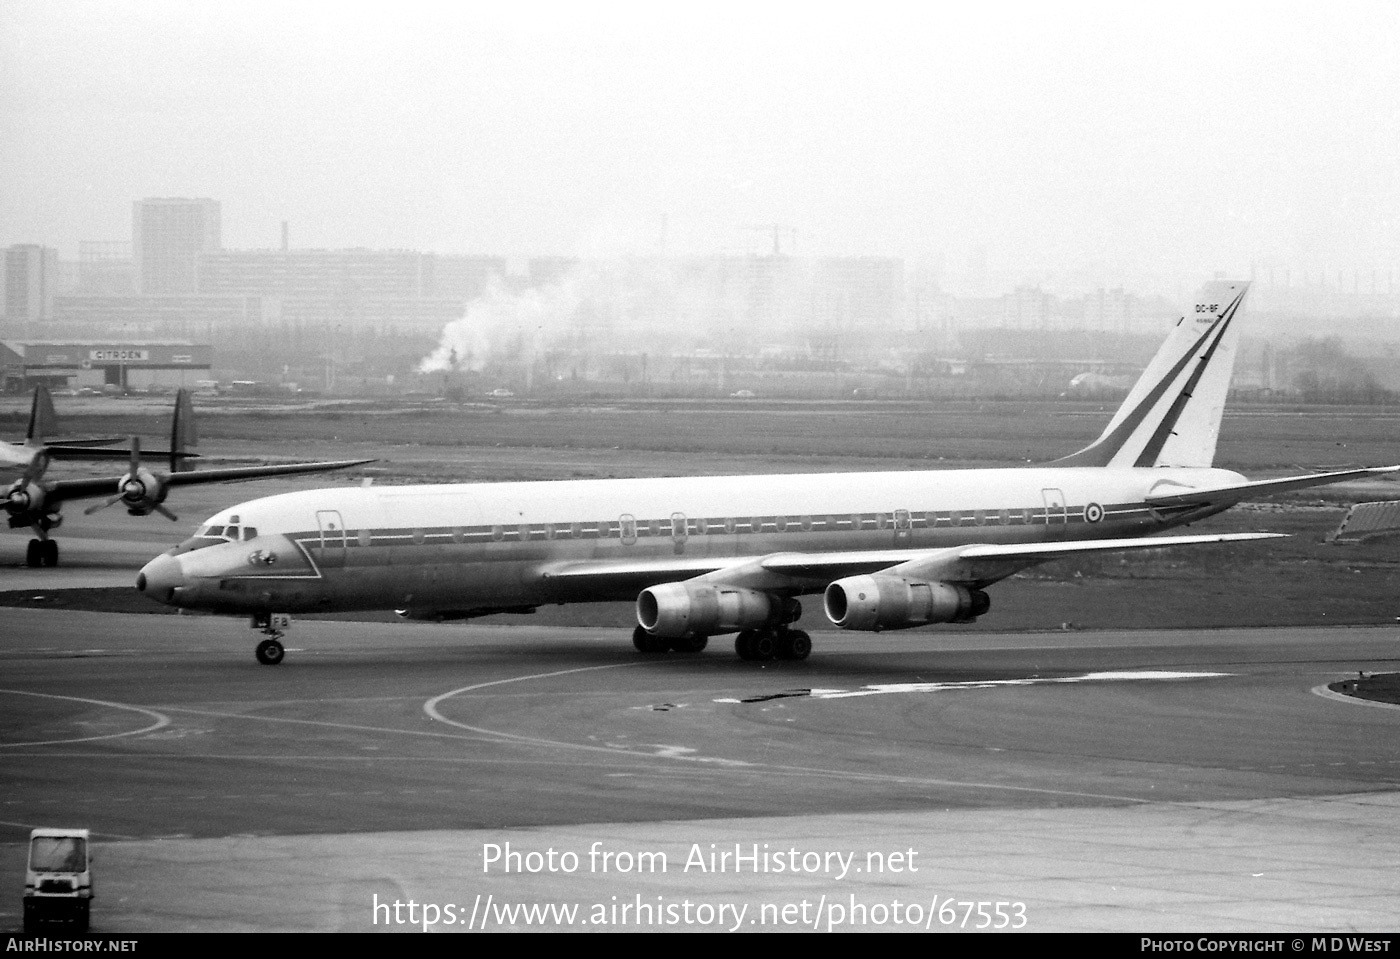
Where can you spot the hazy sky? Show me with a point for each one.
(1059, 139)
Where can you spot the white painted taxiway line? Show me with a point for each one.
(1326, 693)
(686, 754)
(161, 720)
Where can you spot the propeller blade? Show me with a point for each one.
(93, 509)
(166, 513)
(38, 465)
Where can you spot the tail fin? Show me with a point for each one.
(1172, 415)
(43, 421)
(182, 432)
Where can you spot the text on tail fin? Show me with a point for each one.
(1171, 416)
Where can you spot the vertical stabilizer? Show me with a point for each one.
(43, 421)
(1172, 414)
(182, 432)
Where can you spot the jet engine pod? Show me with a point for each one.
(873, 603)
(679, 610)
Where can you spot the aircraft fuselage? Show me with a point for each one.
(475, 548)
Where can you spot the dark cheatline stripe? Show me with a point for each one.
(1150, 452)
(1102, 450)
(868, 522)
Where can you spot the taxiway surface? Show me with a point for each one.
(1171, 780)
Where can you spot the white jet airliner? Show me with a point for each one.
(710, 555)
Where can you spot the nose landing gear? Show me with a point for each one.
(270, 651)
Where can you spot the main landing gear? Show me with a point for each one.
(752, 644)
(41, 552)
(270, 651)
(780, 643)
(647, 643)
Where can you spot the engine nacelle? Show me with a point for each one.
(24, 497)
(141, 492)
(680, 610)
(24, 502)
(873, 603)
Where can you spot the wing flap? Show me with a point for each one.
(976, 563)
(234, 473)
(66, 490)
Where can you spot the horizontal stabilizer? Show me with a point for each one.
(1226, 495)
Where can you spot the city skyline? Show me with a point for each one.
(1074, 147)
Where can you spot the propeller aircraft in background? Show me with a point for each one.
(35, 501)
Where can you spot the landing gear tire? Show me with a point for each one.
(794, 644)
(755, 645)
(693, 644)
(41, 552)
(647, 643)
(270, 652)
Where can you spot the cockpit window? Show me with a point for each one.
(249, 532)
(211, 531)
(232, 533)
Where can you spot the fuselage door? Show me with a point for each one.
(903, 527)
(680, 530)
(1054, 507)
(332, 551)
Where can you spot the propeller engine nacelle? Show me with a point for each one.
(24, 502)
(25, 499)
(681, 610)
(873, 603)
(141, 492)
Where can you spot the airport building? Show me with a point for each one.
(59, 364)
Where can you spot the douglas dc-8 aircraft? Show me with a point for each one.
(35, 502)
(704, 556)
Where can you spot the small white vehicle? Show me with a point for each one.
(58, 881)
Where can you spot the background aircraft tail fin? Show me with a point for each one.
(43, 421)
(1172, 414)
(182, 432)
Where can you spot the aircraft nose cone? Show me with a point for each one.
(160, 578)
